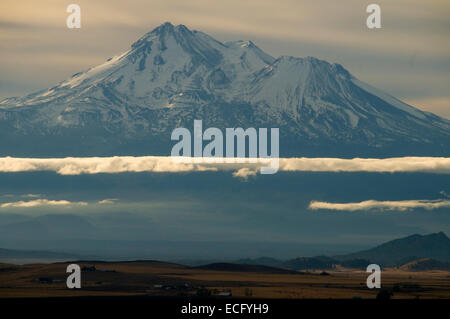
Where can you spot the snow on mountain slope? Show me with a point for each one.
(173, 75)
(389, 99)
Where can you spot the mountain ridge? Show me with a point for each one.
(413, 252)
(402, 250)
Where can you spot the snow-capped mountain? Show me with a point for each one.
(131, 103)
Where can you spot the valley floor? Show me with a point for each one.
(151, 278)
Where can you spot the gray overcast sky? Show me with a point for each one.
(408, 58)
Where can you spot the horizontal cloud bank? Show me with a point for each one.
(41, 202)
(242, 168)
(381, 205)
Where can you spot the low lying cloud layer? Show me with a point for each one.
(403, 205)
(166, 164)
(41, 202)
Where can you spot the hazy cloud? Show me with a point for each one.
(31, 195)
(381, 205)
(244, 173)
(107, 201)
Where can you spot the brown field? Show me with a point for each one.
(146, 278)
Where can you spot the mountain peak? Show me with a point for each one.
(169, 27)
(161, 33)
(440, 235)
(172, 74)
(165, 26)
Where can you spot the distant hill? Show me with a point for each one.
(414, 253)
(245, 268)
(303, 263)
(265, 261)
(355, 263)
(306, 263)
(300, 263)
(399, 251)
(426, 264)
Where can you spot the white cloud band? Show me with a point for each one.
(380, 205)
(167, 164)
(41, 202)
